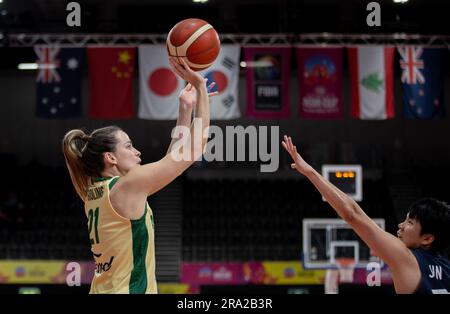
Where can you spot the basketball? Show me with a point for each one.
(196, 41)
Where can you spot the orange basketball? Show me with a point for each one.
(196, 41)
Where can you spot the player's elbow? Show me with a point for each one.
(350, 214)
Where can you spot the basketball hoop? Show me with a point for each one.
(343, 273)
(346, 267)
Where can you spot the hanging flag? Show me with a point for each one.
(111, 73)
(320, 82)
(159, 87)
(423, 81)
(225, 73)
(372, 77)
(58, 81)
(267, 73)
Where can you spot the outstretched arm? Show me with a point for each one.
(389, 248)
(188, 101)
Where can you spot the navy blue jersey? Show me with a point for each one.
(435, 272)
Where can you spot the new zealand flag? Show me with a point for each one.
(423, 82)
(58, 82)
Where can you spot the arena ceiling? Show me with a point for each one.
(230, 16)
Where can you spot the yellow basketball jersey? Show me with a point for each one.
(123, 249)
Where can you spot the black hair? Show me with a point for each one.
(434, 217)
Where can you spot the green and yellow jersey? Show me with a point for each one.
(123, 249)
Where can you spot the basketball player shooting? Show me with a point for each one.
(106, 172)
(413, 256)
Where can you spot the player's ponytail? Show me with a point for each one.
(84, 155)
(74, 144)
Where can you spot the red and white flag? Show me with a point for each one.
(159, 87)
(225, 73)
(372, 76)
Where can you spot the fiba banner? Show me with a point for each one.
(225, 73)
(372, 80)
(320, 82)
(267, 74)
(423, 81)
(159, 87)
(58, 82)
(111, 74)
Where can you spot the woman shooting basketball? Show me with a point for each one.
(106, 173)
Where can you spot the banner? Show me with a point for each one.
(111, 74)
(159, 87)
(211, 273)
(423, 81)
(267, 73)
(58, 82)
(372, 80)
(42, 272)
(320, 82)
(258, 273)
(174, 288)
(225, 73)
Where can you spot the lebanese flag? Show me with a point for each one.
(159, 87)
(111, 74)
(372, 76)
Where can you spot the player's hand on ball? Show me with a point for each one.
(299, 163)
(186, 73)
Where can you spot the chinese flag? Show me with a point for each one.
(111, 73)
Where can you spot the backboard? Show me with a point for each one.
(347, 178)
(325, 240)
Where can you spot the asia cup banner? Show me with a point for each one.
(159, 87)
(267, 75)
(225, 73)
(320, 82)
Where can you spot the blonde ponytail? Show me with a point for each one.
(74, 143)
(84, 155)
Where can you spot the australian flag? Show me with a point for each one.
(58, 81)
(423, 81)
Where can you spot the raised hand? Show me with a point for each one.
(188, 96)
(299, 163)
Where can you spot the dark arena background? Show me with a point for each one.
(363, 89)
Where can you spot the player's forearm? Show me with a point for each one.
(202, 113)
(184, 119)
(344, 205)
(192, 145)
(195, 140)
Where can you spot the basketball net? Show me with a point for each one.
(343, 273)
